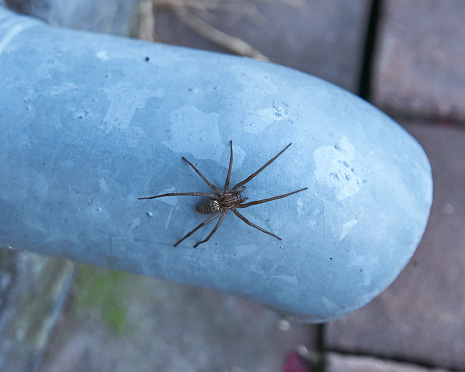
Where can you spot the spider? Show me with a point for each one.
(224, 201)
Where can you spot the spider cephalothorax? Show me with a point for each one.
(224, 201)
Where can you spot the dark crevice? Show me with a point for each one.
(364, 88)
(320, 345)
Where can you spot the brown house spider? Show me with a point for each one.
(226, 200)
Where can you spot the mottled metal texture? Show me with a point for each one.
(89, 125)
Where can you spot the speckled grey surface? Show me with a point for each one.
(89, 125)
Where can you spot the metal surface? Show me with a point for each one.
(89, 125)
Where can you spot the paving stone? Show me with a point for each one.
(349, 363)
(324, 38)
(169, 327)
(421, 317)
(420, 58)
(32, 292)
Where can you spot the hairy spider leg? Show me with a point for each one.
(258, 171)
(228, 177)
(269, 199)
(252, 224)
(223, 215)
(223, 212)
(241, 190)
(183, 193)
(203, 177)
(208, 220)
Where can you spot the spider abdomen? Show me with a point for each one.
(209, 206)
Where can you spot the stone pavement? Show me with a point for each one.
(121, 322)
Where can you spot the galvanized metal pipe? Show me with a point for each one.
(90, 123)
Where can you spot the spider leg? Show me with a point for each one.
(208, 220)
(203, 177)
(223, 215)
(253, 225)
(183, 193)
(267, 200)
(258, 171)
(228, 177)
(241, 190)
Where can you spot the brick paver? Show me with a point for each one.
(350, 363)
(321, 37)
(171, 328)
(420, 58)
(32, 293)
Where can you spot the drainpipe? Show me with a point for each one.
(90, 123)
